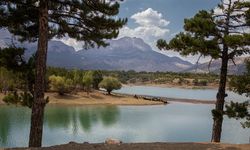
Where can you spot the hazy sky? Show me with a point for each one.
(155, 19)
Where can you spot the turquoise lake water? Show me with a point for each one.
(200, 94)
(176, 122)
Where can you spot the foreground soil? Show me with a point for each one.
(145, 146)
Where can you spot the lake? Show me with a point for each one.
(176, 122)
(200, 94)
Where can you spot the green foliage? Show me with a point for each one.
(202, 82)
(92, 22)
(60, 84)
(27, 99)
(97, 78)
(12, 98)
(23, 99)
(12, 58)
(17, 73)
(223, 36)
(7, 80)
(127, 77)
(207, 33)
(77, 77)
(241, 85)
(110, 84)
(87, 81)
(89, 21)
(237, 110)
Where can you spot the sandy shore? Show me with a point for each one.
(100, 98)
(94, 98)
(146, 146)
(97, 98)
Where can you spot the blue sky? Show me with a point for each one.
(172, 10)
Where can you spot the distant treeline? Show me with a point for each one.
(133, 77)
(10, 79)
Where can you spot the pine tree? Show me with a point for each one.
(223, 33)
(241, 85)
(91, 21)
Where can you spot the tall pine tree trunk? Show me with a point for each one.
(36, 128)
(218, 117)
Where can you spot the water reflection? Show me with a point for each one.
(57, 117)
(109, 116)
(86, 117)
(4, 126)
(13, 118)
(172, 123)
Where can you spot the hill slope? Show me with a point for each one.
(239, 68)
(130, 54)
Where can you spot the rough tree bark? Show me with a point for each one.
(218, 119)
(36, 128)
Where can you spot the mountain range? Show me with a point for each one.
(234, 67)
(122, 54)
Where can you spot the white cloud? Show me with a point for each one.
(71, 42)
(151, 26)
(150, 17)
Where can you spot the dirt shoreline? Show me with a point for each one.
(100, 98)
(144, 146)
(93, 98)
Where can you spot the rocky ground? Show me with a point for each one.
(145, 146)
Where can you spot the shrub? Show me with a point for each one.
(97, 78)
(202, 82)
(12, 98)
(60, 84)
(87, 81)
(110, 84)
